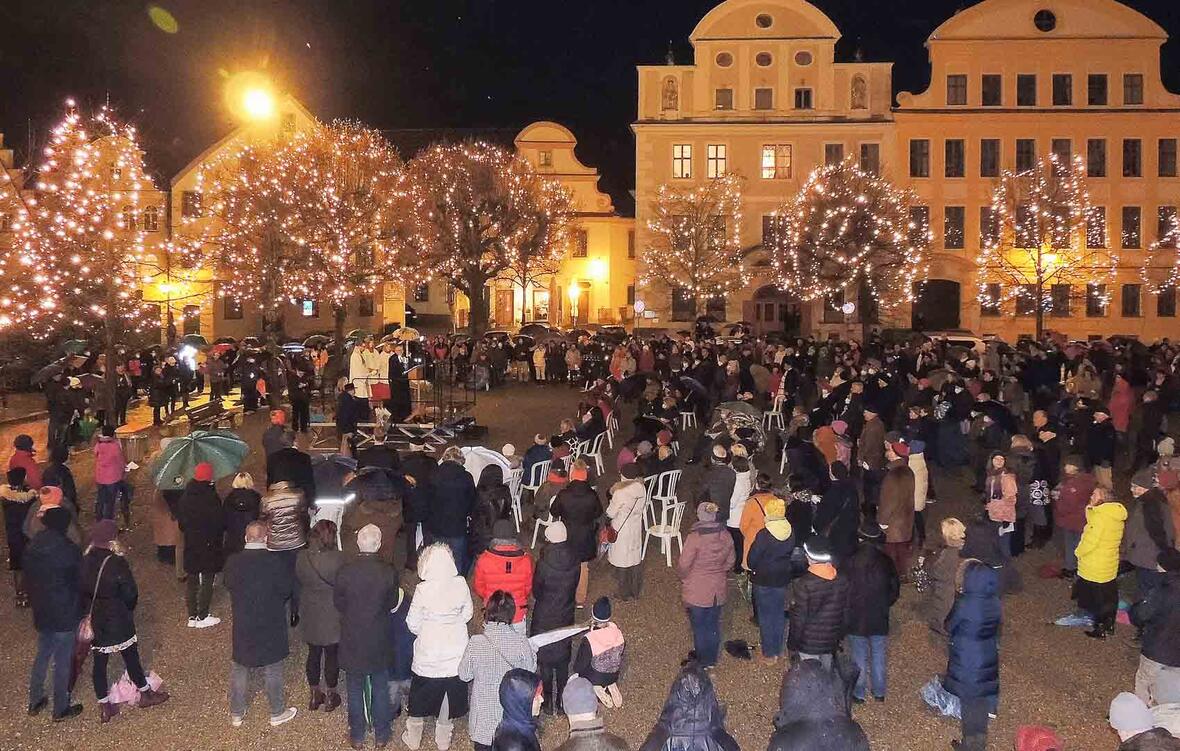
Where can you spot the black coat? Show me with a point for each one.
(293, 466)
(241, 508)
(53, 564)
(1159, 616)
(817, 614)
(555, 582)
(973, 658)
(493, 502)
(366, 590)
(260, 585)
(771, 561)
(202, 522)
(113, 616)
(1100, 442)
(580, 508)
(814, 712)
(838, 517)
(873, 588)
(452, 499)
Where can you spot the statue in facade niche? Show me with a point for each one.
(671, 97)
(860, 93)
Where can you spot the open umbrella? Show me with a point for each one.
(221, 448)
(358, 334)
(225, 340)
(75, 347)
(49, 371)
(406, 334)
(220, 348)
(315, 340)
(745, 408)
(694, 386)
(475, 458)
(329, 471)
(534, 329)
(251, 342)
(194, 340)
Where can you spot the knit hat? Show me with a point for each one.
(1128, 713)
(578, 697)
(601, 610)
(664, 437)
(23, 442)
(56, 518)
(870, 530)
(631, 471)
(102, 534)
(556, 532)
(579, 473)
(278, 417)
(900, 448)
(508, 450)
(51, 497)
(818, 549)
(556, 475)
(504, 529)
(839, 427)
(707, 512)
(1144, 478)
(203, 472)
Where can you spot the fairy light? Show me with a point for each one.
(1161, 269)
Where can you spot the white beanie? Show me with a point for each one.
(508, 450)
(556, 532)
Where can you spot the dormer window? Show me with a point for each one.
(546, 158)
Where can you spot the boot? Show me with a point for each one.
(150, 698)
(317, 699)
(331, 700)
(107, 710)
(970, 743)
(1101, 631)
(616, 695)
(442, 734)
(412, 735)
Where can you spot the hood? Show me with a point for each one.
(517, 689)
(437, 563)
(810, 693)
(238, 498)
(982, 542)
(1115, 512)
(625, 484)
(559, 556)
(692, 708)
(780, 529)
(981, 581)
(491, 476)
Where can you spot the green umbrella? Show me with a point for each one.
(75, 346)
(194, 340)
(221, 448)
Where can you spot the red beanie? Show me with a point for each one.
(203, 472)
(278, 417)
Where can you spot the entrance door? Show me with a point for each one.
(504, 307)
(772, 311)
(936, 305)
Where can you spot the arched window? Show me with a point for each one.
(151, 219)
(129, 218)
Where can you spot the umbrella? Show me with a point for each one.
(49, 371)
(552, 637)
(745, 408)
(221, 448)
(194, 340)
(694, 386)
(356, 334)
(475, 458)
(329, 471)
(707, 319)
(406, 334)
(91, 381)
(315, 340)
(534, 329)
(576, 334)
(225, 340)
(251, 342)
(75, 347)
(632, 386)
(220, 348)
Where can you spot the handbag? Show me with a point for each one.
(608, 534)
(86, 626)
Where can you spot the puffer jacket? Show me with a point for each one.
(625, 512)
(285, 512)
(814, 713)
(438, 616)
(505, 566)
(973, 661)
(109, 466)
(817, 613)
(705, 561)
(1098, 550)
(771, 558)
(1149, 530)
(1069, 508)
(692, 718)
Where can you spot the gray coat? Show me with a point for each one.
(488, 658)
(366, 590)
(1149, 530)
(315, 575)
(943, 567)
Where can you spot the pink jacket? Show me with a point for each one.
(109, 463)
(1122, 398)
(1003, 508)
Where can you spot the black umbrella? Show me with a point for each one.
(632, 386)
(694, 386)
(225, 340)
(49, 371)
(329, 471)
(315, 340)
(534, 329)
(251, 342)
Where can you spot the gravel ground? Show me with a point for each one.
(1048, 675)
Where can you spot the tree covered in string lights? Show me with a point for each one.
(82, 240)
(848, 229)
(694, 244)
(1161, 267)
(539, 254)
(1041, 236)
(467, 212)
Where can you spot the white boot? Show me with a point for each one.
(442, 734)
(616, 695)
(604, 697)
(412, 735)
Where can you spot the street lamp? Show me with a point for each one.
(250, 96)
(258, 104)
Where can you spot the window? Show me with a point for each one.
(422, 292)
(763, 59)
(989, 157)
(1026, 90)
(723, 99)
(581, 244)
(770, 227)
(833, 307)
(870, 158)
(803, 58)
(1062, 90)
(190, 204)
(919, 229)
(231, 308)
(803, 99)
(1096, 89)
(1165, 226)
(763, 21)
(1028, 300)
(683, 305)
(1167, 157)
(1132, 157)
(776, 161)
(955, 158)
(1132, 307)
(1096, 157)
(682, 161)
(989, 303)
(129, 219)
(989, 226)
(724, 59)
(1096, 227)
(763, 99)
(1059, 300)
(1096, 300)
(1026, 154)
(1132, 88)
(631, 294)
(715, 160)
(151, 219)
(310, 309)
(365, 306)
(1165, 303)
(1026, 227)
(1045, 21)
(545, 159)
(630, 243)
(1062, 148)
(6, 222)
(992, 90)
(1132, 227)
(190, 315)
(956, 89)
(833, 153)
(954, 218)
(919, 157)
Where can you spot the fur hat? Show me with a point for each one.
(556, 532)
(578, 697)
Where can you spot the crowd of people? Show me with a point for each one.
(814, 465)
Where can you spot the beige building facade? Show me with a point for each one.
(1010, 80)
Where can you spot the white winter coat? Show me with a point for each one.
(360, 365)
(625, 511)
(439, 614)
(921, 480)
(742, 488)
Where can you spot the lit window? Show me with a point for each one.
(151, 219)
(715, 161)
(763, 99)
(803, 99)
(310, 309)
(776, 161)
(682, 161)
(546, 158)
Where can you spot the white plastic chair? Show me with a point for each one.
(333, 512)
(515, 480)
(666, 531)
(612, 427)
(782, 463)
(661, 489)
(538, 525)
(774, 418)
(592, 449)
(537, 476)
(688, 419)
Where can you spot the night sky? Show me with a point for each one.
(401, 63)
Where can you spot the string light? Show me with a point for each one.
(1161, 269)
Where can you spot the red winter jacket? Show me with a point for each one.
(1069, 510)
(506, 567)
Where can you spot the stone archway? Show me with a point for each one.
(937, 305)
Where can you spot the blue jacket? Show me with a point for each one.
(518, 728)
(973, 664)
(53, 565)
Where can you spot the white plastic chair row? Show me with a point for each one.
(774, 417)
(667, 530)
(592, 448)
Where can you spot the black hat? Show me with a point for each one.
(870, 530)
(56, 518)
(601, 610)
(818, 549)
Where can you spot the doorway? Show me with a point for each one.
(504, 307)
(936, 305)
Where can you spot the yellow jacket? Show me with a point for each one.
(1098, 551)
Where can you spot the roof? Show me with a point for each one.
(1071, 19)
(410, 141)
(789, 19)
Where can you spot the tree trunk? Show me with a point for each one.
(339, 313)
(864, 303)
(1040, 309)
(274, 326)
(524, 302)
(477, 298)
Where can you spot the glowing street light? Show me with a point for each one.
(258, 104)
(250, 96)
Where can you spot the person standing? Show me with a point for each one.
(242, 506)
(870, 452)
(24, 456)
(365, 592)
(837, 516)
(707, 557)
(109, 471)
(202, 524)
(1069, 511)
(506, 567)
(273, 438)
(53, 565)
(625, 515)
(1096, 588)
(299, 388)
(578, 506)
(520, 698)
(284, 511)
(1100, 444)
(261, 587)
(451, 503)
(487, 659)
(819, 608)
(316, 570)
(17, 498)
(288, 464)
(973, 661)
(554, 586)
(896, 512)
(109, 594)
(771, 565)
(1149, 531)
(1158, 616)
(873, 588)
